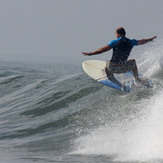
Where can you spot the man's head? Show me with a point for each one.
(120, 32)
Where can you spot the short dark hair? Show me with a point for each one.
(121, 31)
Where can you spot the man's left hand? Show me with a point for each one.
(86, 53)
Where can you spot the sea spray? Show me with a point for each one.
(149, 61)
(136, 139)
(136, 133)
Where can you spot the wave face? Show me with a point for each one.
(56, 113)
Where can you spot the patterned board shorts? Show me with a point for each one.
(120, 68)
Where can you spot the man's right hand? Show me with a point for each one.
(144, 41)
(154, 37)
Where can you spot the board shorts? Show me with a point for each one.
(120, 68)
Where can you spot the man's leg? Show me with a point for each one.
(134, 69)
(135, 72)
(111, 77)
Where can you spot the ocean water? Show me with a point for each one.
(56, 113)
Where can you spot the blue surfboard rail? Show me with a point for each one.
(110, 84)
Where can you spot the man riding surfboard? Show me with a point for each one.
(119, 62)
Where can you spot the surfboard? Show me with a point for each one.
(96, 70)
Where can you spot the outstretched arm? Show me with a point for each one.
(144, 41)
(98, 51)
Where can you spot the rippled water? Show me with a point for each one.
(56, 113)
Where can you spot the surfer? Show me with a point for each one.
(119, 62)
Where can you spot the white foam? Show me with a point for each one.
(136, 140)
(149, 61)
(139, 138)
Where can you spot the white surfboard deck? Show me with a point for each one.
(96, 70)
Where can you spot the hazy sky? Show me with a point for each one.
(59, 30)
